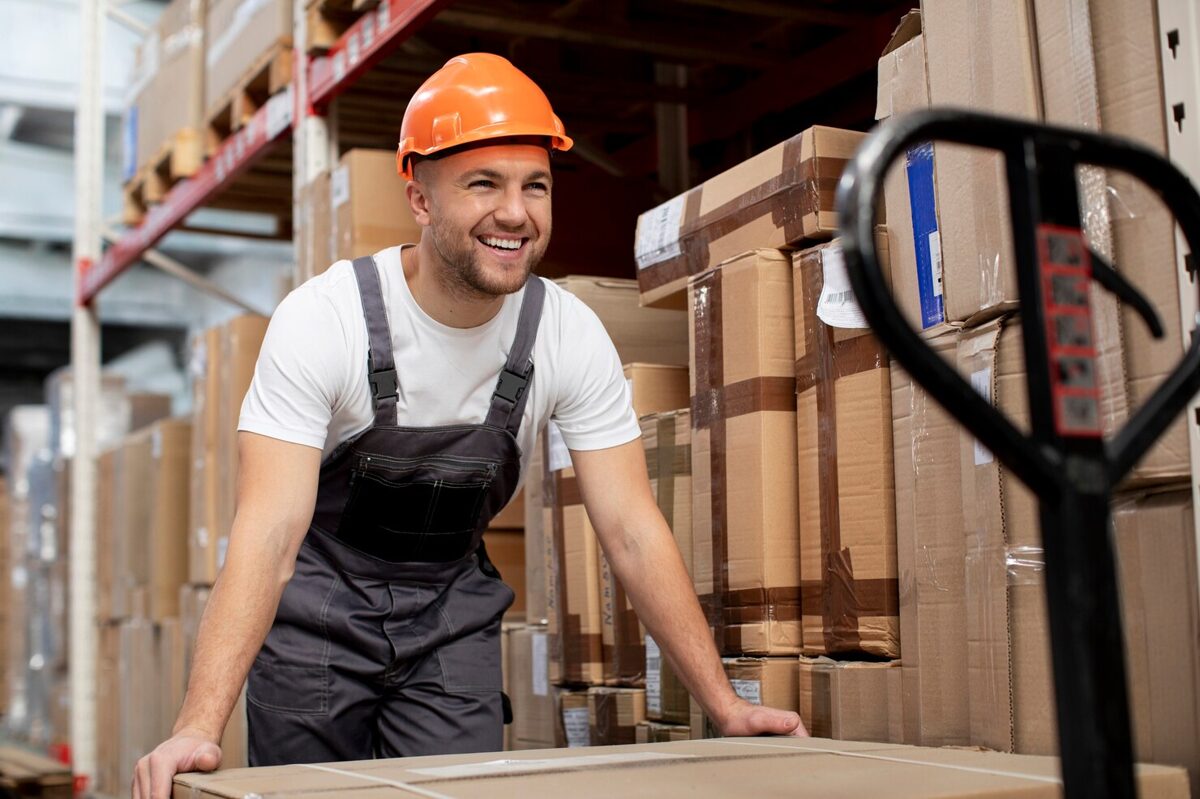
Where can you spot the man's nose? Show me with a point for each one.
(511, 210)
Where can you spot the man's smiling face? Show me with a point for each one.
(488, 210)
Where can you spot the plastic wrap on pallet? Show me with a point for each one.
(113, 412)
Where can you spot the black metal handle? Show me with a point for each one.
(856, 202)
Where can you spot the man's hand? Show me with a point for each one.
(187, 750)
(745, 719)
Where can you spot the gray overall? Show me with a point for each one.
(387, 638)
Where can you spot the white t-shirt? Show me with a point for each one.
(310, 382)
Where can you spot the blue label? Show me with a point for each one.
(919, 165)
(129, 164)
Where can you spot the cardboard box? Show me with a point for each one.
(1128, 81)
(930, 555)
(108, 642)
(243, 35)
(859, 700)
(139, 678)
(979, 56)
(770, 682)
(654, 732)
(1008, 657)
(849, 591)
(107, 555)
(530, 690)
(192, 602)
(1155, 542)
(23, 773)
(132, 521)
(369, 205)
(614, 713)
(203, 524)
(720, 768)
(167, 87)
(641, 335)
(506, 549)
(667, 439)
(573, 555)
(814, 702)
(512, 515)
(315, 241)
(778, 198)
(622, 636)
(746, 552)
(536, 585)
(168, 488)
(574, 728)
(656, 388)
(223, 360)
(172, 677)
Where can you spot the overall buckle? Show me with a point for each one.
(511, 385)
(383, 383)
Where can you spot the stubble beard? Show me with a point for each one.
(465, 276)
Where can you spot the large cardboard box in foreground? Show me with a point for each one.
(369, 205)
(714, 768)
(778, 198)
(746, 550)
(847, 498)
(930, 556)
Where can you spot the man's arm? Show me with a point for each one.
(639, 547)
(277, 489)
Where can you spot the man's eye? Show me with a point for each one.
(539, 187)
(486, 184)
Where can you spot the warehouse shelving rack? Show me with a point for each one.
(323, 112)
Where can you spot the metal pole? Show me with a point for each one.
(85, 366)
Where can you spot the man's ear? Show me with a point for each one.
(418, 201)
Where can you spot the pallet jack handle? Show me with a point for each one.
(1065, 459)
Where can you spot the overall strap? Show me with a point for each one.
(508, 401)
(381, 366)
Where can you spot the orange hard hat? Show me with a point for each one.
(473, 98)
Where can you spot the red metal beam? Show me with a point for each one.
(376, 34)
(241, 151)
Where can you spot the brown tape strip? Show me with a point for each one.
(871, 596)
(743, 398)
(707, 406)
(851, 356)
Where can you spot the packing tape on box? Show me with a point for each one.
(802, 188)
(842, 597)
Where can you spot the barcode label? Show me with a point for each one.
(653, 678)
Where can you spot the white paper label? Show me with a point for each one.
(202, 537)
(750, 690)
(935, 262)
(653, 678)
(339, 187)
(156, 444)
(20, 578)
(560, 456)
(575, 722)
(222, 548)
(658, 233)
(837, 306)
(541, 664)
(981, 381)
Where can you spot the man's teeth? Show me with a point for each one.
(504, 244)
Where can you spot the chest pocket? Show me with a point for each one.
(424, 509)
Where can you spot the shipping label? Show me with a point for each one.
(926, 239)
(653, 678)
(575, 723)
(750, 690)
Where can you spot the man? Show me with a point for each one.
(393, 408)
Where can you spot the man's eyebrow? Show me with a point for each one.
(491, 174)
(541, 174)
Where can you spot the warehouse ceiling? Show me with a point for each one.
(750, 73)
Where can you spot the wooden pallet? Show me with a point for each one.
(329, 19)
(271, 74)
(179, 158)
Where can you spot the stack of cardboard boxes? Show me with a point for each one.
(587, 664)
(974, 629)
